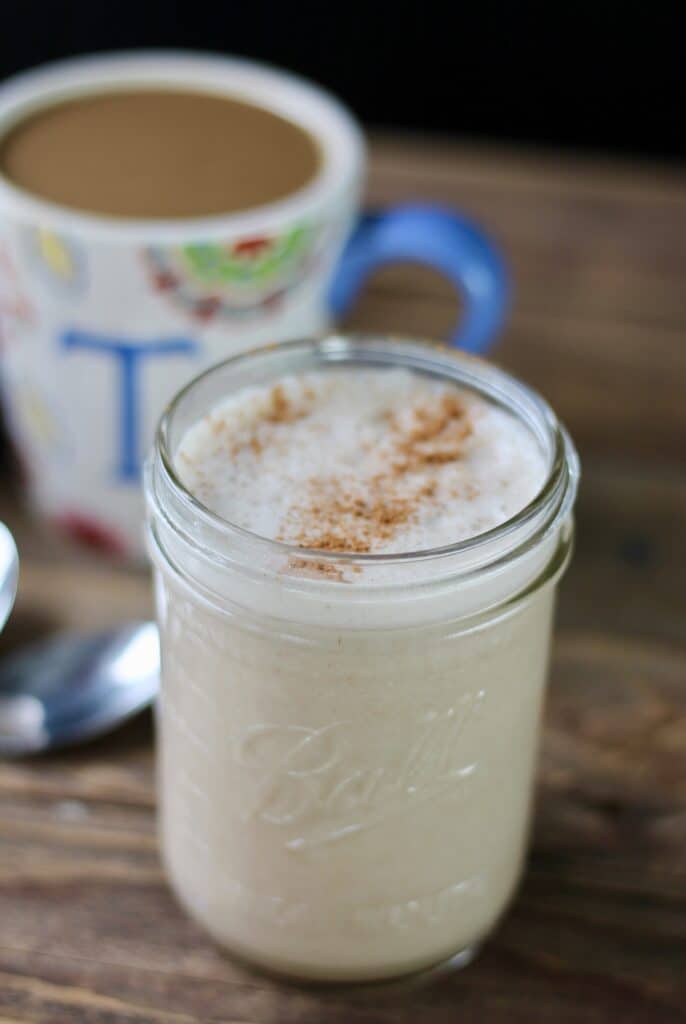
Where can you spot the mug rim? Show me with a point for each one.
(297, 99)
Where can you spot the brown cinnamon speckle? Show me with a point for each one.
(335, 515)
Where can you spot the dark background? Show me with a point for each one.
(606, 79)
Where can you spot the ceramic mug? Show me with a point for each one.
(103, 319)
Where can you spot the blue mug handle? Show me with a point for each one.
(440, 238)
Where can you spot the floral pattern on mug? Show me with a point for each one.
(88, 532)
(40, 422)
(251, 276)
(15, 308)
(59, 261)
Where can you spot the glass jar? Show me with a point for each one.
(346, 755)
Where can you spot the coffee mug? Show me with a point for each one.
(103, 319)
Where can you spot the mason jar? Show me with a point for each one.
(347, 742)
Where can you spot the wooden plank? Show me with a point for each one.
(584, 239)
(525, 169)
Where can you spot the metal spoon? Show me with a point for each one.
(9, 573)
(71, 688)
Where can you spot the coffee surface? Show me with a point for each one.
(158, 154)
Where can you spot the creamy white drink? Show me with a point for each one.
(348, 731)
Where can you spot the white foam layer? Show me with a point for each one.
(382, 461)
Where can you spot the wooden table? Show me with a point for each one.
(88, 929)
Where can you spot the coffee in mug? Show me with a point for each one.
(157, 153)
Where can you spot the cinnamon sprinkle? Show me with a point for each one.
(316, 569)
(281, 409)
(356, 516)
(364, 509)
(437, 435)
(358, 463)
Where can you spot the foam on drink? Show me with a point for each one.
(364, 461)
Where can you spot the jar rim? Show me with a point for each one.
(552, 501)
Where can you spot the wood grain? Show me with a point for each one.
(89, 933)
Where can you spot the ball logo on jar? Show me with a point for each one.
(309, 779)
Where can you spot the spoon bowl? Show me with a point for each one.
(9, 573)
(73, 688)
